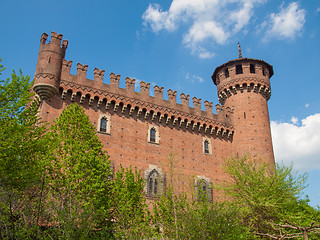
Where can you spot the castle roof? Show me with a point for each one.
(231, 62)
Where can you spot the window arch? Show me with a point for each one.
(153, 134)
(104, 124)
(154, 181)
(207, 148)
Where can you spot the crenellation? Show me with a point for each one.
(43, 38)
(130, 83)
(98, 75)
(172, 97)
(208, 107)
(56, 38)
(196, 105)
(184, 100)
(81, 72)
(114, 80)
(144, 88)
(66, 67)
(158, 92)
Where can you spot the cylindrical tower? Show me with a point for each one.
(48, 70)
(243, 84)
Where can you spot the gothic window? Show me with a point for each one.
(153, 183)
(203, 189)
(152, 135)
(252, 68)
(263, 72)
(239, 69)
(104, 124)
(207, 149)
(226, 72)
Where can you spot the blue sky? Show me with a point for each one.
(178, 44)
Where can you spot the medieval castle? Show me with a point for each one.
(144, 131)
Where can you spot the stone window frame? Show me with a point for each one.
(160, 183)
(107, 117)
(157, 136)
(200, 182)
(209, 146)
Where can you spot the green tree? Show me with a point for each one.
(78, 179)
(269, 199)
(21, 148)
(182, 215)
(131, 213)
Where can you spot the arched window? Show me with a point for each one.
(103, 125)
(153, 183)
(239, 69)
(207, 149)
(226, 72)
(152, 135)
(203, 190)
(206, 146)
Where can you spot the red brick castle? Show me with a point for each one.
(144, 131)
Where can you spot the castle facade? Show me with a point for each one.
(148, 132)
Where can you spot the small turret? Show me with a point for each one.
(243, 85)
(48, 70)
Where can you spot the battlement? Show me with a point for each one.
(110, 95)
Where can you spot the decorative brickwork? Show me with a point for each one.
(125, 119)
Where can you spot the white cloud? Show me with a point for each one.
(294, 120)
(194, 78)
(298, 144)
(209, 21)
(287, 23)
(307, 105)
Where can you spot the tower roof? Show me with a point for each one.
(240, 60)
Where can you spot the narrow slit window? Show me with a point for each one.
(152, 135)
(226, 72)
(206, 146)
(252, 68)
(103, 125)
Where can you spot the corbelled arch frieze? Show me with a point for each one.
(145, 110)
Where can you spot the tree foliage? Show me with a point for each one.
(269, 198)
(78, 176)
(21, 146)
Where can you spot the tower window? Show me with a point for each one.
(239, 69)
(263, 72)
(226, 72)
(252, 68)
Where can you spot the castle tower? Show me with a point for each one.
(243, 84)
(48, 70)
